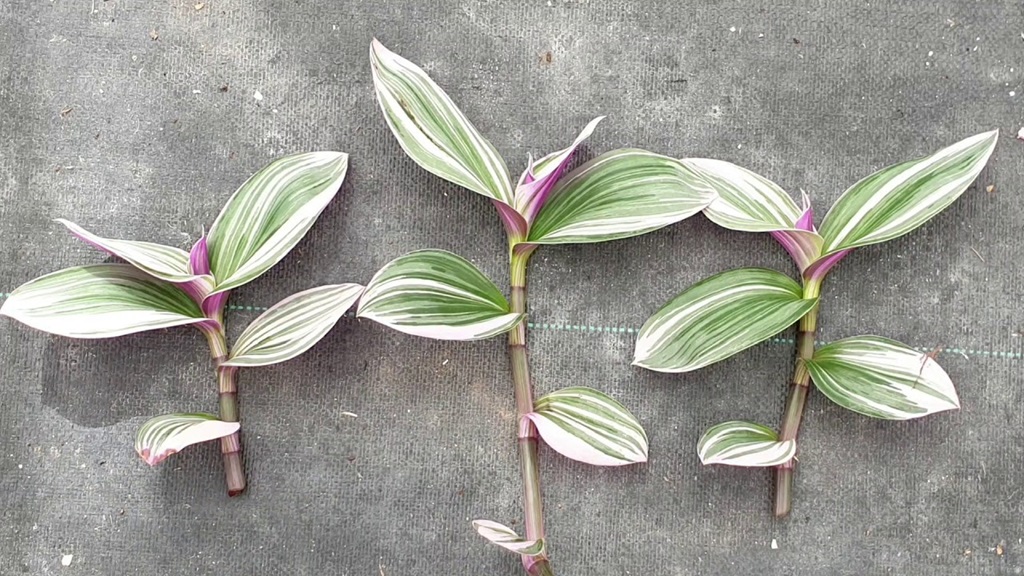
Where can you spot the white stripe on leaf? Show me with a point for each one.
(902, 197)
(268, 215)
(718, 317)
(619, 194)
(745, 201)
(432, 130)
(501, 535)
(169, 434)
(586, 425)
(882, 378)
(436, 294)
(100, 301)
(744, 444)
(293, 325)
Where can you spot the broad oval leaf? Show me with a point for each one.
(169, 434)
(898, 199)
(270, 213)
(100, 301)
(436, 294)
(744, 200)
(881, 378)
(744, 444)
(293, 325)
(432, 130)
(501, 535)
(619, 194)
(718, 317)
(589, 426)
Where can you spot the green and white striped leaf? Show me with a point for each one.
(503, 536)
(270, 213)
(744, 200)
(898, 199)
(433, 131)
(744, 444)
(169, 434)
(436, 294)
(100, 301)
(619, 194)
(589, 426)
(163, 262)
(881, 378)
(293, 325)
(718, 317)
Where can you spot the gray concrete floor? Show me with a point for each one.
(138, 119)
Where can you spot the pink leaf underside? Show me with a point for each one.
(820, 268)
(211, 430)
(571, 446)
(198, 258)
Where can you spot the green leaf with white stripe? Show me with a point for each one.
(169, 434)
(898, 199)
(100, 301)
(619, 194)
(270, 213)
(501, 535)
(432, 130)
(589, 426)
(881, 378)
(718, 317)
(745, 201)
(744, 444)
(163, 262)
(436, 294)
(293, 325)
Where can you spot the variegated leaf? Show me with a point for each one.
(436, 294)
(432, 130)
(881, 378)
(100, 301)
(541, 176)
(293, 325)
(619, 194)
(745, 444)
(898, 199)
(589, 426)
(744, 200)
(162, 436)
(718, 317)
(270, 213)
(503, 536)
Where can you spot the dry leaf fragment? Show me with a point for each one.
(200, 5)
(990, 188)
(66, 111)
(154, 35)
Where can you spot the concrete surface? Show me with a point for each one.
(138, 119)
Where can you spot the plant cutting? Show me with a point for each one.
(729, 312)
(437, 294)
(163, 286)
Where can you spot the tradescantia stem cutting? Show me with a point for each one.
(227, 402)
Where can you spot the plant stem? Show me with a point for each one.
(527, 436)
(227, 387)
(795, 406)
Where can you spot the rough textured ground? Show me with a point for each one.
(138, 119)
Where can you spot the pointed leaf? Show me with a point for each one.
(507, 538)
(745, 201)
(619, 194)
(898, 199)
(436, 294)
(100, 301)
(432, 130)
(881, 378)
(745, 444)
(718, 317)
(293, 325)
(169, 434)
(270, 213)
(589, 426)
(540, 177)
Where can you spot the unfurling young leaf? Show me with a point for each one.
(433, 131)
(501, 535)
(881, 378)
(293, 325)
(718, 317)
(162, 436)
(746, 444)
(586, 425)
(270, 213)
(436, 294)
(100, 301)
